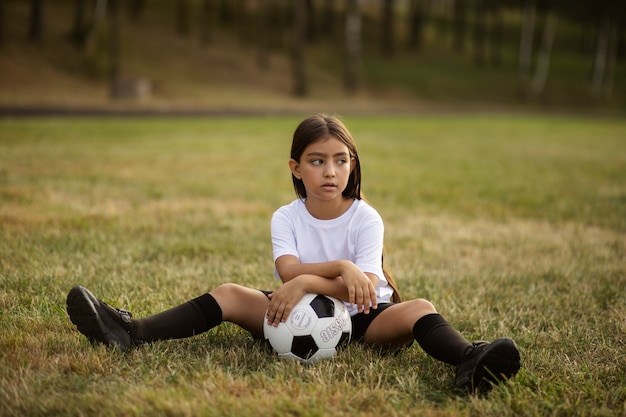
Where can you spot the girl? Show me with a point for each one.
(328, 241)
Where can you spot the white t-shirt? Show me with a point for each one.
(357, 236)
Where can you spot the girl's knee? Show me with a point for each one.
(242, 305)
(422, 307)
(226, 291)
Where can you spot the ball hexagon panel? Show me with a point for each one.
(323, 306)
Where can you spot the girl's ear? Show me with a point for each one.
(294, 166)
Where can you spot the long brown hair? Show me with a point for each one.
(317, 127)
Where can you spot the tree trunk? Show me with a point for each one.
(263, 18)
(114, 46)
(300, 87)
(524, 61)
(311, 25)
(328, 22)
(601, 81)
(479, 33)
(76, 33)
(2, 22)
(207, 21)
(459, 21)
(83, 24)
(243, 23)
(136, 10)
(611, 61)
(416, 25)
(620, 43)
(225, 12)
(543, 57)
(182, 17)
(353, 45)
(386, 40)
(35, 28)
(496, 34)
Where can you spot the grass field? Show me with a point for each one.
(512, 225)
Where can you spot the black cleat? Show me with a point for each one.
(98, 321)
(486, 364)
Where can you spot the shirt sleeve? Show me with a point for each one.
(283, 235)
(369, 246)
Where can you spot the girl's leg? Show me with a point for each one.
(243, 306)
(393, 327)
(418, 320)
(477, 364)
(229, 302)
(114, 327)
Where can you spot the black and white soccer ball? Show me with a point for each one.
(315, 329)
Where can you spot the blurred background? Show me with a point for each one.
(281, 56)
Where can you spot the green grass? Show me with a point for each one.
(512, 225)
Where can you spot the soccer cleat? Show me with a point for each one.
(99, 322)
(486, 364)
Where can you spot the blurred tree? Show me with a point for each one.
(416, 16)
(459, 24)
(329, 19)
(2, 22)
(387, 39)
(353, 45)
(182, 17)
(83, 23)
(496, 31)
(479, 33)
(279, 23)
(525, 52)
(312, 29)
(603, 27)
(207, 21)
(136, 8)
(35, 27)
(544, 53)
(300, 85)
(606, 50)
(247, 20)
(532, 83)
(264, 13)
(76, 33)
(114, 46)
(225, 12)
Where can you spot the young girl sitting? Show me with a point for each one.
(328, 241)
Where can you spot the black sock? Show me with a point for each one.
(439, 339)
(188, 319)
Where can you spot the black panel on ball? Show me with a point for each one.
(303, 346)
(323, 306)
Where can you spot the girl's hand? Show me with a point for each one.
(283, 300)
(361, 291)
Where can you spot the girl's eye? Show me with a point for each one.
(317, 162)
(342, 161)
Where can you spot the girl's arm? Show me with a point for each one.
(289, 267)
(361, 287)
(344, 280)
(287, 296)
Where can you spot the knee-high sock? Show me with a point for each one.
(191, 318)
(439, 339)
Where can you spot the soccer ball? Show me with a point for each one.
(315, 329)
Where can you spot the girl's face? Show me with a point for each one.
(324, 168)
